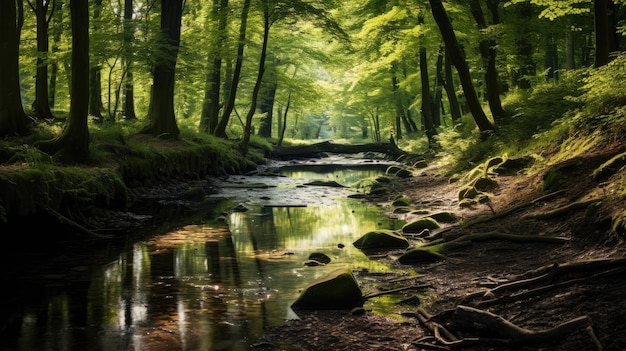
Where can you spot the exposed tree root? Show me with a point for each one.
(81, 229)
(467, 239)
(393, 291)
(466, 317)
(561, 210)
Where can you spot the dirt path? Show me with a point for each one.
(591, 294)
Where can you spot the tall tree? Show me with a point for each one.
(257, 86)
(95, 73)
(487, 48)
(129, 87)
(72, 145)
(525, 67)
(13, 119)
(161, 116)
(458, 60)
(57, 31)
(602, 32)
(211, 104)
(229, 106)
(43, 15)
(448, 85)
(267, 99)
(427, 113)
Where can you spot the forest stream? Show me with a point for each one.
(212, 279)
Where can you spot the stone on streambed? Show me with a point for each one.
(419, 225)
(421, 255)
(338, 290)
(381, 239)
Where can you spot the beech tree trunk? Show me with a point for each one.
(129, 87)
(72, 145)
(448, 85)
(487, 50)
(458, 60)
(601, 24)
(41, 105)
(161, 116)
(13, 119)
(220, 130)
(211, 105)
(95, 76)
(257, 86)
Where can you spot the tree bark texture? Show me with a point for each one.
(129, 87)
(487, 50)
(162, 119)
(220, 130)
(13, 119)
(601, 24)
(257, 86)
(41, 105)
(458, 60)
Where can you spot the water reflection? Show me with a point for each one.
(203, 286)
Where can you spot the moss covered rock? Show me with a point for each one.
(421, 255)
(381, 239)
(419, 225)
(444, 217)
(336, 291)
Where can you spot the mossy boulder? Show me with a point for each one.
(337, 290)
(444, 217)
(381, 239)
(467, 192)
(421, 255)
(419, 225)
(485, 183)
(399, 171)
(401, 201)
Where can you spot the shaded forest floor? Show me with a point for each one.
(517, 289)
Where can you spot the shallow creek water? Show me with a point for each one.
(206, 284)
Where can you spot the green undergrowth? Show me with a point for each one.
(32, 181)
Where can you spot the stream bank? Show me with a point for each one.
(522, 289)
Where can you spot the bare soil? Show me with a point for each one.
(592, 290)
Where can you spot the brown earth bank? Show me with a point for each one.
(492, 292)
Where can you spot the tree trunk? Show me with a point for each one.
(524, 46)
(488, 55)
(129, 87)
(161, 116)
(284, 123)
(41, 105)
(436, 94)
(458, 60)
(427, 114)
(211, 106)
(601, 26)
(257, 86)
(220, 130)
(72, 145)
(551, 59)
(13, 119)
(57, 30)
(569, 50)
(267, 107)
(448, 85)
(95, 77)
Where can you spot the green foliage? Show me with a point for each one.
(605, 93)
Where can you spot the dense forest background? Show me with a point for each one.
(415, 71)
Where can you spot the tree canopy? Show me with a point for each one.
(301, 69)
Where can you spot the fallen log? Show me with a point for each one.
(466, 317)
